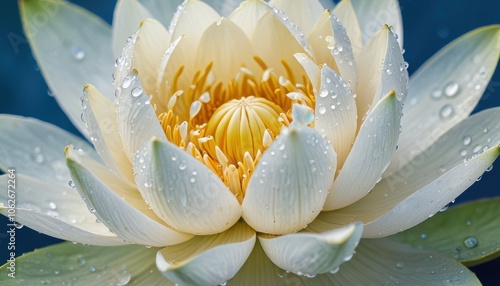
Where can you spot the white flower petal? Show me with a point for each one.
(336, 113)
(55, 210)
(127, 16)
(445, 90)
(311, 253)
(118, 205)
(373, 14)
(161, 10)
(370, 154)
(36, 148)
(192, 19)
(101, 119)
(433, 197)
(226, 46)
(182, 191)
(137, 119)
(207, 260)
(426, 179)
(247, 15)
(347, 16)
(289, 185)
(303, 13)
(332, 47)
(274, 38)
(383, 69)
(152, 41)
(312, 69)
(376, 262)
(321, 41)
(72, 47)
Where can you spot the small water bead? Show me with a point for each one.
(334, 270)
(471, 242)
(78, 53)
(124, 278)
(18, 225)
(52, 205)
(92, 210)
(91, 268)
(463, 153)
(182, 165)
(489, 168)
(388, 71)
(451, 89)
(477, 148)
(322, 109)
(436, 94)
(467, 140)
(126, 82)
(81, 261)
(423, 235)
(323, 93)
(400, 264)
(71, 183)
(446, 112)
(136, 91)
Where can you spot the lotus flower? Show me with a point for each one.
(257, 148)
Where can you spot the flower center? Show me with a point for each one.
(227, 125)
(241, 125)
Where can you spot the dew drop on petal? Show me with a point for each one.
(322, 109)
(78, 53)
(471, 242)
(136, 91)
(451, 89)
(467, 140)
(436, 94)
(182, 165)
(323, 93)
(446, 112)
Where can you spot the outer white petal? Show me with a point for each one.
(376, 262)
(36, 148)
(346, 14)
(312, 253)
(118, 205)
(55, 210)
(72, 47)
(207, 260)
(303, 13)
(445, 90)
(370, 154)
(127, 16)
(336, 113)
(182, 191)
(382, 69)
(289, 185)
(439, 181)
(430, 199)
(137, 119)
(101, 119)
(373, 14)
(161, 10)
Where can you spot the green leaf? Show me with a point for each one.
(467, 232)
(69, 264)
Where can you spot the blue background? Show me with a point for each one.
(428, 26)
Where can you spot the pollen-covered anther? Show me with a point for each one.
(239, 126)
